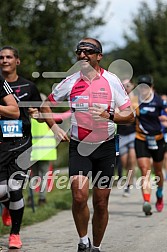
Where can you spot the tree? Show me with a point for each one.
(146, 51)
(45, 32)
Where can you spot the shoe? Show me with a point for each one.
(126, 192)
(6, 217)
(83, 247)
(14, 241)
(95, 250)
(147, 208)
(159, 204)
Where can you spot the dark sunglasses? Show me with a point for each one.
(86, 51)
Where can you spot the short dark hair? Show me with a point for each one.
(14, 50)
(99, 45)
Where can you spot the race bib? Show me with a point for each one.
(151, 143)
(11, 128)
(80, 103)
(80, 106)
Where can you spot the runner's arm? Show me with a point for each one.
(11, 108)
(48, 117)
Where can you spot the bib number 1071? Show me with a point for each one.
(11, 128)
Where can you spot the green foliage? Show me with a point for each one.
(146, 49)
(45, 32)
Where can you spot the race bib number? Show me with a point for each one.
(11, 128)
(80, 106)
(80, 103)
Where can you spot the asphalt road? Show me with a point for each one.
(129, 230)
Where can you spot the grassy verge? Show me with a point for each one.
(57, 200)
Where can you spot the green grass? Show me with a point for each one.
(57, 200)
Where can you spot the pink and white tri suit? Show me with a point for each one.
(105, 90)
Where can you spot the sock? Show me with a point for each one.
(84, 240)
(16, 216)
(159, 193)
(94, 247)
(146, 197)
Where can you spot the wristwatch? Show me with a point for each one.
(111, 116)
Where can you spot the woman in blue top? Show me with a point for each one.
(149, 141)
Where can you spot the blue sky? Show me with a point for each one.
(118, 15)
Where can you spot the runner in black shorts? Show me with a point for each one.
(93, 94)
(149, 142)
(16, 144)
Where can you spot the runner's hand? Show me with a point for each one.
(33, 112)
(99, 113)
(59, 133)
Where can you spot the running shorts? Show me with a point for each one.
(93, 160)
(9, 167)
(143, 151)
